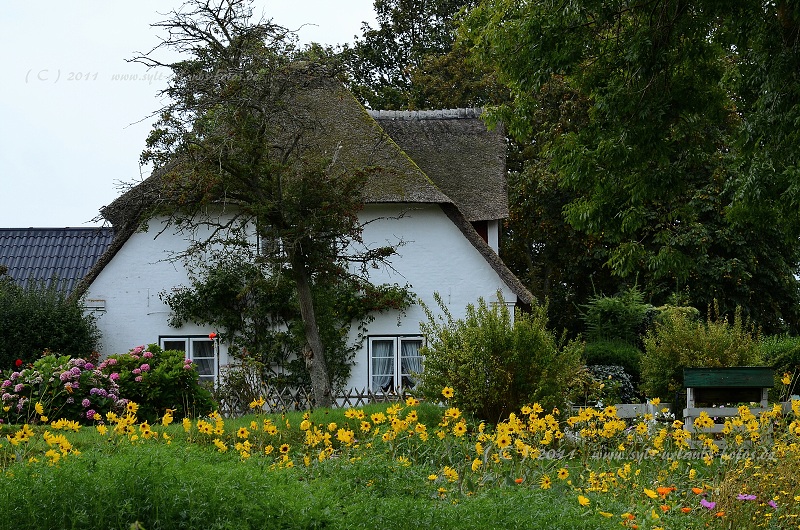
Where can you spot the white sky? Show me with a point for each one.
(70, 128)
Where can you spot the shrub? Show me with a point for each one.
(679, 341)
(782, 353)
(619, 318)
(60, 387)
(159, 380)
(38, 318)
(494, 364)
(616, 353)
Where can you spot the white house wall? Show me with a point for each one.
(435, 257)
(130, 285)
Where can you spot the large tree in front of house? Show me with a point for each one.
(241, 134)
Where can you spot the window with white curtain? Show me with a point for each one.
(201, 350)
(394, 363)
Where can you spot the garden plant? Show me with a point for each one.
(403, 465)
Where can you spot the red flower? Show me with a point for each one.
(212, 335)
(18, 363)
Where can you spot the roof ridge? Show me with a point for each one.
(437, 114)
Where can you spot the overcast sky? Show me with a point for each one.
(72, 119)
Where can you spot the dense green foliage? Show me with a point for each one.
(668, 129)
(384, 63)
(157, 487)
(496, 363)
(38, 318)
(615, 353)
(623, 317)
(782, 353)
(680, 341)
(159, 380)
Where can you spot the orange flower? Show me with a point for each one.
(698, 491)
(664, 508)
(719, 514)
(686, 509)
(664, 491)
(519, 480)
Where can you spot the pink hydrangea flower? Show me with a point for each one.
(145, 367)
(138, 379)
(136, 371)
(114, 376)
(147, 355)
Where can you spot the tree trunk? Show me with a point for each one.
(314, 352)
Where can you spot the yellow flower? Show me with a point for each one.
(447, 392)
(545, 482)
(563, 474)
(460, 428)
(655, 401)
(284, 448)
(476, 464)
(503, 441)
(433, 477)
(132, 407)
(650, 493)
(39, 408)
(453, 413)
(411, 401)
(786, 379)
(583, 501)
(450, 474)
(242, 433)
(606, 514)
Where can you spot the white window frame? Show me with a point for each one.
(394, 370)
(207, 375)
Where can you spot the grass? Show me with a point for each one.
(411, 466)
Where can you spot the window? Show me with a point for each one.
(394, 362)
(201, 350)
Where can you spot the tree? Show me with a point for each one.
(391, 66)
(241, 149)
(259, 317)
(654, 170)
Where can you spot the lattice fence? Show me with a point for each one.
(279, 400)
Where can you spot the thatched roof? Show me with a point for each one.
(454, 148)
(439, 157)
(335, 126)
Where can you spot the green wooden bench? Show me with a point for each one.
(709, 389)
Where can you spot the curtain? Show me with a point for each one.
(410, 362)
(382, 365)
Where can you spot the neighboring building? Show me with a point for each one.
(440, 189)
(57, 257)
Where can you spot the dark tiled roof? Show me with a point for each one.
(48, 254)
